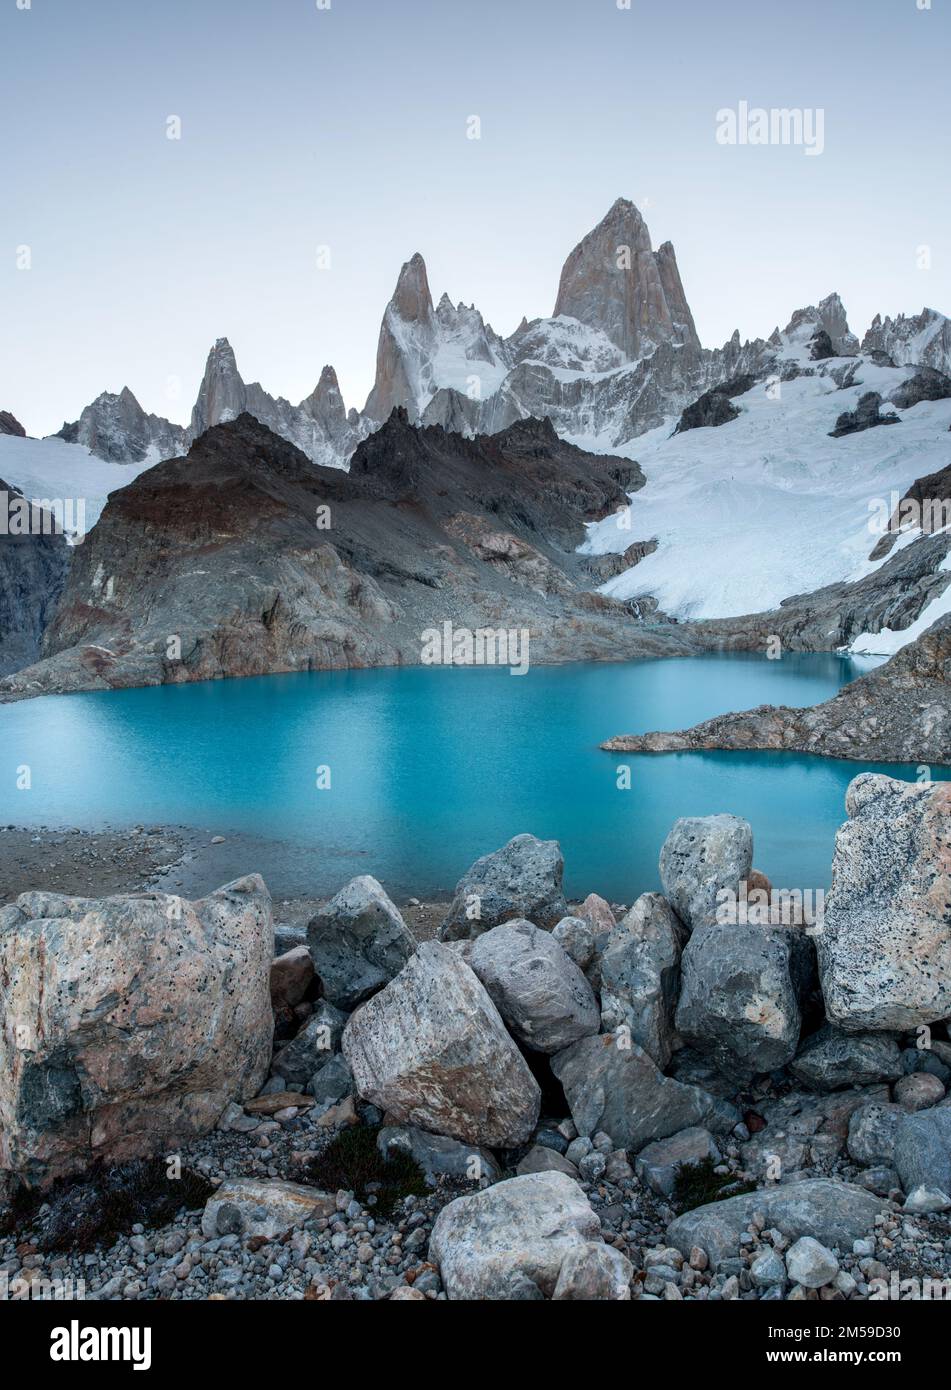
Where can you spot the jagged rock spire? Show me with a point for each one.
(615, 282)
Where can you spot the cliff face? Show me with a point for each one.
(244, 558)
(32, 574)
(900, 712)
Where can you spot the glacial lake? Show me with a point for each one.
(431, 767)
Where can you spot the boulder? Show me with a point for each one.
(919, 1091)
(885, 951)
(923, 1150)
(331, 1083)
(250, 1207)
(313, 1047)
(543, 997)
(128, 1023)
(835, 1213)
(612, 1085)
(873, 1130)
(576, 939)
(657, 1164)
(702, 856)
(640, 976)
(540, 1159)
(291, 977)
(925, 1201)
(438, 1156)
(358, 942)
(738, 1002)
(831, 1059)
(431, 1050)
(594, 1273)
(810, 1263)
(494, 1244)
(522, 879)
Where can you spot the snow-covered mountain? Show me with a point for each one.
(116, 428)
(769, 504)
(619, 357)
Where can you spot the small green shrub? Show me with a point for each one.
(352, 1162)
(696, 1184)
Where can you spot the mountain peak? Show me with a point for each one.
(614, 282)
(412, 300)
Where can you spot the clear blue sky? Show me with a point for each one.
(347, 127)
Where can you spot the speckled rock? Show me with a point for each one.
(885, 953)
(128, 1023)
(831, 1059)
(640, 975)
(702, 856)
(358, 942)
(431, 1050)
(520, 880)
(594, 1273)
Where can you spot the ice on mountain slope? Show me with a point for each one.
(768, 505)
(52, 469)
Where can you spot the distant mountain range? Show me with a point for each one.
(618, 356)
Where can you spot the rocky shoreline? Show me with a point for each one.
(537, 1101)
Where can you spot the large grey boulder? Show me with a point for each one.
(831, 1059)
(541, 994)
(431, 1050)
(835, 1213)
(520, 880)
(923, 1150)
(358, 942)
(128, 1023)
(612, 1085)
(702, 856)
(738, 1003)
(509, 1241)
(885, 952)
(640, 975)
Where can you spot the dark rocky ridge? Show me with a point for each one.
(934, 488)
(9, 424)
(900, 712)
(222, 551)
(32, 574)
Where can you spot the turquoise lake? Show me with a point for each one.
(432, 767)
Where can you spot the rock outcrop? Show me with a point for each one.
(33, 568)
(9, 424)
(919, 340)
(244, 558)
(614, 282)
(116, 428)
(128, 1024)
(900, 712)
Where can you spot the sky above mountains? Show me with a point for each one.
(321, 147)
